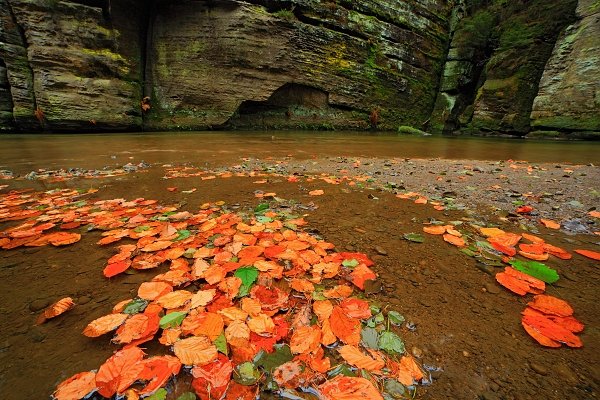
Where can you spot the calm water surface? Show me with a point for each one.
(23, 153)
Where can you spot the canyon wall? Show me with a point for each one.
(437, 65)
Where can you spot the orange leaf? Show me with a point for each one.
(202, 298)
(338, 292)
(548, 223)
(454, 240)
(116, 268)
(349, 388)
(56, 309)
(552, 330)
(302, 285)
(211, 326)
(119, 371)
(589, 254)
(534, 256)
(491, 232)
(557, 251)
(251, 306)
(211, 380)
(362, 273)
(137, 327)
(237, 333)
(409, 371)
(541, 339)
(551, 305)
(104, 324)
(195, 350)
(157, 371)
(153, 290)
(174, 299)
(356, 308)
(570, 322)
(64, 238)
(305, 339)
(435, 229)
(346, 328)
(76, 387)
(354, 356)
(261, 324)
(317, 192)
(214, 274)
(322, 309)
(532, 238)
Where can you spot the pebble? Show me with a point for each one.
(540, 369)
(38, 304)
(491, 288)
(83, 300)
(380, 250)
(466, 353)
(417, 352)
(567, 373)
(489, 396)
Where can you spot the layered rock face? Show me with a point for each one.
(65, 68)
(497, 57)
(569, 94)
(230, 63)
(86, 65)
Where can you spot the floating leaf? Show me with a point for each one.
(270, 361)
(352, 355)
(589, 254)
(119, 371)
(195, 350)
(187, 396)
(414, 237)
(76, 387)
(536, 269)
(395, 318)
(350, 263)
(172, 319)
(248, 275)
(394, 389)
(104, 324)
(246, 374)
(135, 306)
(160, 394)
(349, 388)
(551, 305)
(56, 309)
(369, 338)
(391, 343)
(221, 344)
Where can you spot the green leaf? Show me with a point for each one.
(263, 220)
(375, 320)
(248, 276)
(261, 208)
(391, 343)
(160, 394)
(395, 318)
(270, 361)
(468, 252)
(414, 237)
(141, 228)
(341, 369)
(536, 269)
(246, 374)
(187, 396)
(135, 306)
(221, 344)
(350, 263)
(394, 389)
(368, 337)
(172, 320)
(182, 234)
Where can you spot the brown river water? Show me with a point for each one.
(463, 326)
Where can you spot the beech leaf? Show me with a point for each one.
(391, 343)
(536, 269)
(172, 320)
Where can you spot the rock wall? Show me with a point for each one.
(86, 65)
(208, 59)
(497, 57)
(569, 91)
(66, 68)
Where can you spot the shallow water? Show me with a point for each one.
(22, 153)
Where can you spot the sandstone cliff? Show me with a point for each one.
(86, 65)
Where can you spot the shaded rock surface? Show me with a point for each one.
(87, 65)
(569, 95)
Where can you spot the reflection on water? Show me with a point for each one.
(22, 153)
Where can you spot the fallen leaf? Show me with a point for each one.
(548, 223)
(104, 324)
(119, 371)
(348, 388)
(195, 350)
(589, 254)
(76, 387)
(355, 357)
(551, 305)
(56, 309)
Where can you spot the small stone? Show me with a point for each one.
(540, 369)
(567, 373)
(417, 352)
(39, 304)
(491, 288)
(466, 353)
(380, 250)
(83, 300)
